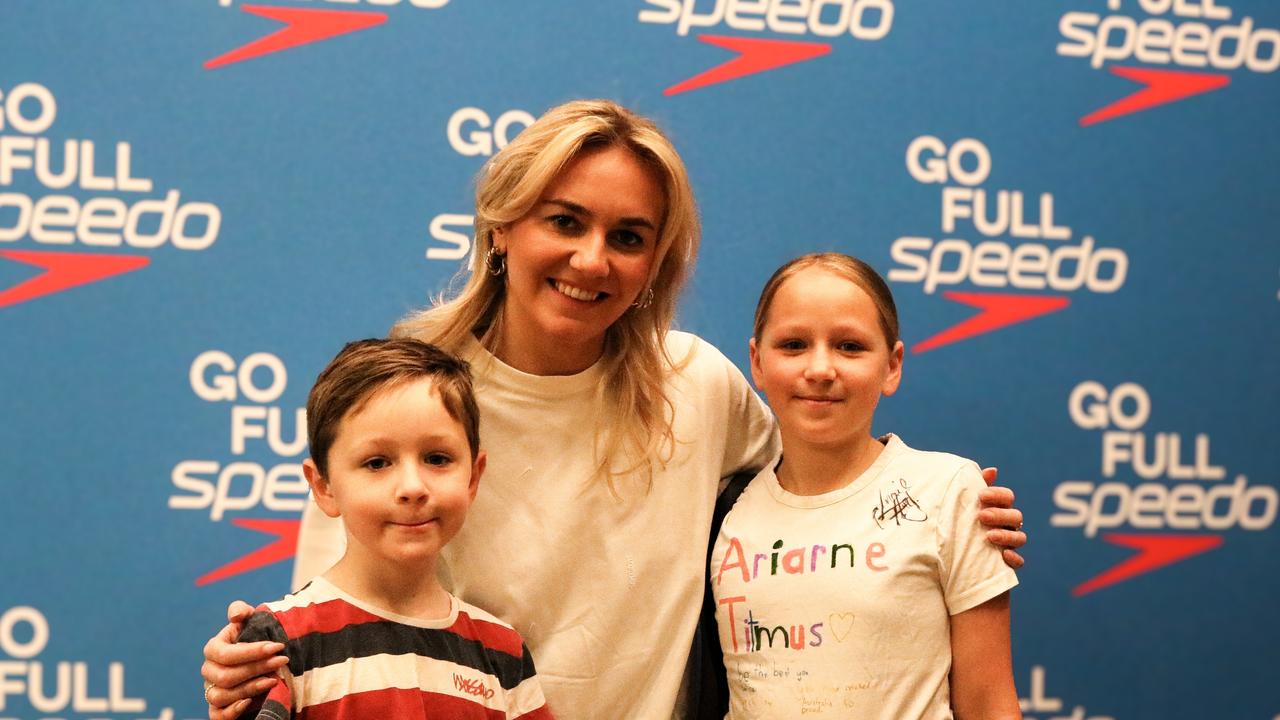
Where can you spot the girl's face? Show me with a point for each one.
(578, 260)
(822, 360)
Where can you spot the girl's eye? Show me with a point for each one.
(791, 345)
(851, 346)
(438, 459)
(376, 463)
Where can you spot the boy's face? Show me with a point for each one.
(401, 475)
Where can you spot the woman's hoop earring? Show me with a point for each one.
(646, 302)
(495, 262)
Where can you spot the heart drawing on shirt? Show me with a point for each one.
(841, 624)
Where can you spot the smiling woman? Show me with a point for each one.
(607, 432)
(598, 193)
(578, 260)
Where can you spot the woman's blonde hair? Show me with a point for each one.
(635, 410)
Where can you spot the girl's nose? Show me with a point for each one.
(820, 367)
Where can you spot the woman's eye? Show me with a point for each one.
(628, 239)
(439, 459)
(376, 463)
(563, 222)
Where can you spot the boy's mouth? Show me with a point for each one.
(414, 524)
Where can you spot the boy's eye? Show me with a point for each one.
(438, 459)
(791, 345)
(376, 463)
(851, 346)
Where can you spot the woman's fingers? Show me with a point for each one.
(235, 672)
(998, 497)
(238, 611)
(233, 687)
(997, 517)
(227, 713)
(225, 698)
(989, 474)
(222, 649)
(1007, 539)
(231, 676)
(1013, 559)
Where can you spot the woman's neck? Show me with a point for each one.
(808, 469)
(529, 353)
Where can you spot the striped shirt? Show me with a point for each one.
(348, 659)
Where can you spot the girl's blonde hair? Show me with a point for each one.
(635, 411)
(846, 266)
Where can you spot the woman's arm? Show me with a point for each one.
(981, 664)
(1002, 520)
(237, 671)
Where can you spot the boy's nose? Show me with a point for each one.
(411, 486)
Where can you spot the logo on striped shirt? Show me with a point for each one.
(472, 687)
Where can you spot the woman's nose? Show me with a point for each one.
(590, 258)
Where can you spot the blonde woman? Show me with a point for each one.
(607, 432)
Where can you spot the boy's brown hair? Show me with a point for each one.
(365, 367)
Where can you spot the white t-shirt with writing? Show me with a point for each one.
(838, 605)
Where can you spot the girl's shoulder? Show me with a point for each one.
(932, 467)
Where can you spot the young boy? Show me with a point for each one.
(393, 429)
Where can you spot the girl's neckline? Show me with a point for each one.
(892, 447)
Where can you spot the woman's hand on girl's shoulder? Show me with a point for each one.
(1002, 520)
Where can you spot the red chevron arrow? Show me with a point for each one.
(755, 55)
(303, 26)
(1154, 552)
(64, 270)
(282, 548)
(1161, 87)
(998, 310)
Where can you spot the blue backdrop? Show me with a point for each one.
(1075, 201)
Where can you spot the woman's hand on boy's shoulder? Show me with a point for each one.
(234, 672)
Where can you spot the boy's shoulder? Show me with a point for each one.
(319, 607)
(307, 609)
(314, 592)
(486, 628)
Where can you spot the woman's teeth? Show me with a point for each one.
(576, 293)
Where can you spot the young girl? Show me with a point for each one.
(852, 578)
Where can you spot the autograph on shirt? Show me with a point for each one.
(897, 506)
